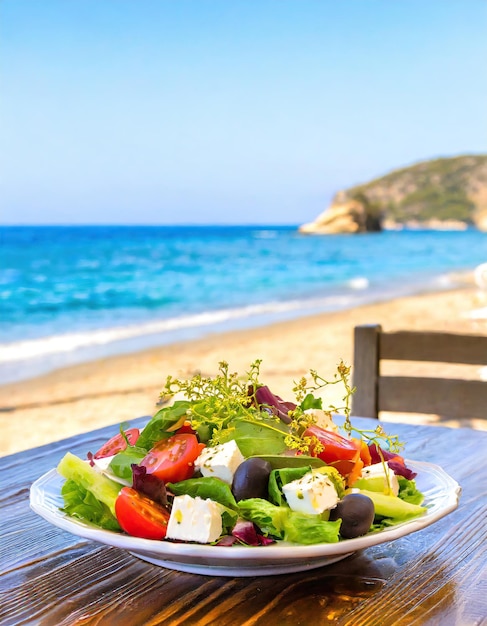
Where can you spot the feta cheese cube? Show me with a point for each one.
(220, 461)
(103, 463)
(195, 519)
(313, 493)
(382, 470)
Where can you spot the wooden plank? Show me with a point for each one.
(452, 398)
(463, 539)
(365, 370)
(434, 346)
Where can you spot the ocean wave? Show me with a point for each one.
(71, 295)
(265, 234)
(70, 342)
(359, 282)
(358, 291)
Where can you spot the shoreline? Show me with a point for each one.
(114, 389)
(33, 357)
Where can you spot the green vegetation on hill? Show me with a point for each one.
(441, 189)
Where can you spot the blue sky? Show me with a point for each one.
(227, 111)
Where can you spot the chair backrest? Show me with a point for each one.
(448, 397)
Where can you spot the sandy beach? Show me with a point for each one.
(109, 391)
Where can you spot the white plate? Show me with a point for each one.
(441, 497)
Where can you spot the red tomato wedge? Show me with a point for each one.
(336, 447)
(350, 470)
(172, 460)
(117, 443)
(139, 516)
(339, 452)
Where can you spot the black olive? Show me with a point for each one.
(357, 514)
(251, 479)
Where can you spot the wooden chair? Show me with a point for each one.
(447, 397)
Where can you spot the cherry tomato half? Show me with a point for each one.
(350, 470)
(173, 459)
(336, 447)
(140, 516)
(117, 443)
(339, 452)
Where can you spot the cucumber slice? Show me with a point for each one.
(105, 490)
(392, 506)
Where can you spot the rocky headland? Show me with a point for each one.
(440, 194)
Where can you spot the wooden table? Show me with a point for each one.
(434, 576)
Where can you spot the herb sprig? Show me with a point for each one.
(375, 436)
(216, 402)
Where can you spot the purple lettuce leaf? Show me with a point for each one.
(148, 484)
(401, 470)
(247, 532)
(279, 407)
(396, 466)
(226, 540)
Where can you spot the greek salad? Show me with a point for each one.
(225, 461)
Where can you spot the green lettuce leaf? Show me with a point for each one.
(265, 436)
(278, 461)
(121, 464)
(309, 529)
(81, 503)
(269, 518)
(310, 402)
(409, 492)
(282, 523)
(206, 487)
(158, 427)
(229, 519)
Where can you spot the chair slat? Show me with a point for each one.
(434, 346)
(451, 398)
(365, 370)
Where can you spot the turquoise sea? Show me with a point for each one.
(69, 294)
